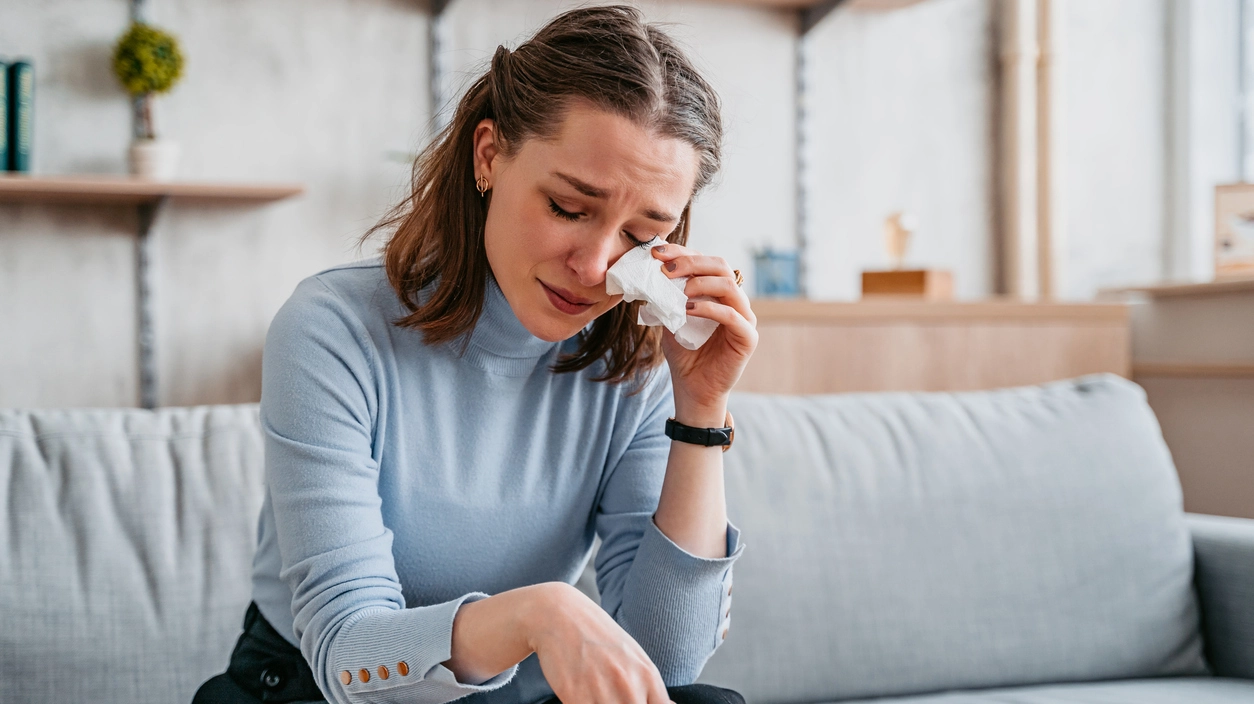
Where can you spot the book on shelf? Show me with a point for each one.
(4, 114)
(21, 108)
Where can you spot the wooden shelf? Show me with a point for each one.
(133, 191)
(1208, 288)
(773, 4)
(872, 5)
(884, 311)
(1194, 369)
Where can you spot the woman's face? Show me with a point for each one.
(563, 210)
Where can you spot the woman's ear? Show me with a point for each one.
(486, 149)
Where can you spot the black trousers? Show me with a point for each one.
(264, 667)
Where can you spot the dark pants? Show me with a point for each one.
(264, 667)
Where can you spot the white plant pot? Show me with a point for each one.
(154, 159)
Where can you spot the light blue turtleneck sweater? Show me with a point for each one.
(403, 479)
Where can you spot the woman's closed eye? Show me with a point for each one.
(574, 217)
(563, 214)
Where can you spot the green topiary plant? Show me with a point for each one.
(147, 60)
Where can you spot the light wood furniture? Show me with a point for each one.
(148, 197)
(1193, 352)
(131, 191)
(869, 5)
(925, 284)
(812, 347)
(1175, 290)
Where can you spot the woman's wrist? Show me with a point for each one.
(709, 414)
(540, 614)
(494, 634)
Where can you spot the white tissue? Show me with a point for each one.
(638, 276)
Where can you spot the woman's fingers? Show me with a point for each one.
(697, 265)
(668, 251)
(708, 276)
(724, 290)
(678, 260)
(731, 319)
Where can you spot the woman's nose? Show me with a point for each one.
(591, 260)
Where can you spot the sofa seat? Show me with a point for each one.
(1172, 690)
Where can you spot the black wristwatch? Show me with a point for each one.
(709, 437)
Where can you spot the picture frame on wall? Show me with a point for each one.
(1234, 231)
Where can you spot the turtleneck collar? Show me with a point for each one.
(499, 343)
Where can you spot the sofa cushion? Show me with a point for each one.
(1176, 690)
(128, 542)
(907, 543)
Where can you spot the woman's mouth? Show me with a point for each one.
(566, 301)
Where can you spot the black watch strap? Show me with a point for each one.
(709, 437)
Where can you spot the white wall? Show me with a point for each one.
(901, 108)
(1115, 132)
(1204, 129)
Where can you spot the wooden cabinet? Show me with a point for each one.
(1193, 352)
(811, 347)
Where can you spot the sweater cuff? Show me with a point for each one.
(700, 570)
(677, 605)
(685, 559)
(386, 655)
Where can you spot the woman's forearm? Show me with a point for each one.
(492, 635)
(692, 509)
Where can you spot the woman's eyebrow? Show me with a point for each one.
(593, 192)
(583, 187)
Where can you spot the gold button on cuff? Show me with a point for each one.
(346, 677)
(403, 668)
(364, 674)
(383, 672)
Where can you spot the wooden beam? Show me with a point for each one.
(812, 15)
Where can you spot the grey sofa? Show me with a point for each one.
(1020, 546)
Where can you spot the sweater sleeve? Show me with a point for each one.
(675, 604)
(319, 400)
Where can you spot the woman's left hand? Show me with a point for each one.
(703, 378)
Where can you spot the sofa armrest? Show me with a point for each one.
(1223, 554)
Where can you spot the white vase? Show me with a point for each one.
(154, 159)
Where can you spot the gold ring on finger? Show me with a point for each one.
(740, 279)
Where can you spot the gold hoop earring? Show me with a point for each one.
(481, 184)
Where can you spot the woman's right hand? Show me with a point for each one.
(587, 657)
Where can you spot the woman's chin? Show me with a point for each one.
(553, 326)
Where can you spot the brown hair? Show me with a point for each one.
(608, 56)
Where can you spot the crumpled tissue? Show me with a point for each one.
(638, 276)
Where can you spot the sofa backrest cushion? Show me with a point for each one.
(903, 543)
(127, 550)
